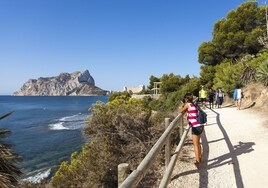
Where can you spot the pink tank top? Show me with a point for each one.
(192, 115)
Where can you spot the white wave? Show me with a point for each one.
(38, 177)
(58, 126)
(72, 122)
(68, 118)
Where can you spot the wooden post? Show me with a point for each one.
(181, 127)
(167, 147)
(123, 171)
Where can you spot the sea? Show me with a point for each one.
(45, 130)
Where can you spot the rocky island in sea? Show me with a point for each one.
(65, 84)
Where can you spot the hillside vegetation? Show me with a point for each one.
(124, 129)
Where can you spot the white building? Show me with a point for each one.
(134, 90)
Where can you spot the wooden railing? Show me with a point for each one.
(136, 176)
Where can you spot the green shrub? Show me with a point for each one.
(227, 76)
(122, 130)
(262, 73)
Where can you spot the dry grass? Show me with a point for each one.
(256, 100)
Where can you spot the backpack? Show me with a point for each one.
(201, 115)
(242, 95)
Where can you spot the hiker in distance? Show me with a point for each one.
(203, 96)
(219, 97)
(237, 96)
(211, 98)
(196, 127)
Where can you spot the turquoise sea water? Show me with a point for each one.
(45, 130)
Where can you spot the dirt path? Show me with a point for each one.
(235, 150)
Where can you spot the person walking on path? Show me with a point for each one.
(219, 96)
(203, 96)
(197, 128)
(237, 96)
(211, 98)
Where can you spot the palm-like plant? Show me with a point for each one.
(262, 73)
(9, 173)
(248, 75)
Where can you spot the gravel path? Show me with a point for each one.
(235, 150)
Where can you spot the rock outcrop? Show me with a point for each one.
(74, 84)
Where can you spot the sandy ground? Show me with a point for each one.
(235, 152)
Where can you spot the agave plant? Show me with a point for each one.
(262, 73)
(9, 173)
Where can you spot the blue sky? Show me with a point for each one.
(121, 42)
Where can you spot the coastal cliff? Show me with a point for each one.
(65, 84)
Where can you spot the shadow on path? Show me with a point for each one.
(249, 106)
(229, 158)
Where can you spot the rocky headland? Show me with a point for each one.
(65, 84)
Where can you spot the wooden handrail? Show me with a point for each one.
(166, 178)
(136, 176)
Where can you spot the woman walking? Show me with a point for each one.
(219, 96)
(197, 128)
